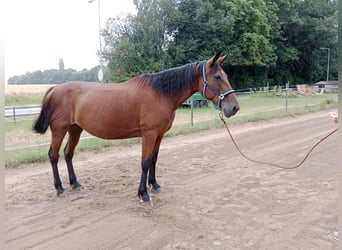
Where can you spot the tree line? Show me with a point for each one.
(55, 76)
(272, 41)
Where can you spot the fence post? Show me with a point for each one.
(287, 94)
(192, 110)
(14, 118)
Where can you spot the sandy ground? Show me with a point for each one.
(211, 199)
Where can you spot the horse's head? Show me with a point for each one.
(216, 86)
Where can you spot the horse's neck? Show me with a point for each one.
(185, 95)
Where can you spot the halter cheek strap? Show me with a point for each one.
(221, 96)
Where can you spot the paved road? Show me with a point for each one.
(21, 111)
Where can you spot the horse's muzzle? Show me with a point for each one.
(230, 110)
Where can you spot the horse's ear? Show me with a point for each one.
(214, 58)
(222, 59)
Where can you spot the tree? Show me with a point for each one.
(134, 45)
(305, 27)
(198, 29)
(119, 50)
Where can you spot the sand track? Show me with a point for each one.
(211, 199)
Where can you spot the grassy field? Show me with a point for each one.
(23, 146)
(23, 89)
(25, 94)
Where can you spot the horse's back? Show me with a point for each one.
(76, 91)
(75, 87)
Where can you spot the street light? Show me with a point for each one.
(328, 62)
(100, 72)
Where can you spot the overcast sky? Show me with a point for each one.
(39, 32)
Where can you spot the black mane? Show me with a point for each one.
(173, 81)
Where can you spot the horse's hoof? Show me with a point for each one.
(60, 191)
(146, 203)
(145, 198)
(77, 188)
(75, 184)
(156, 190)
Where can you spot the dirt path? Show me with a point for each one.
(211, 199)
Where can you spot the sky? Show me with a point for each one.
(40, 32)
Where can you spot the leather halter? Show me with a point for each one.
(221, 96)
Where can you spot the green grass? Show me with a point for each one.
(23, 100)
(258, 107)
(14, 158)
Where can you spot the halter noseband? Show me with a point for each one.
(205, 85)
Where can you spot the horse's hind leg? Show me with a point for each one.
(74, 137)
(57, 138)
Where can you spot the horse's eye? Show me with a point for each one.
(217, 77)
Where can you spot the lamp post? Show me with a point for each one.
(100, 72)
(328, 62)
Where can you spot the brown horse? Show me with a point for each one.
(143, 106)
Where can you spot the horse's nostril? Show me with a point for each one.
(235, 108)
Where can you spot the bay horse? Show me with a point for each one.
(143, 106)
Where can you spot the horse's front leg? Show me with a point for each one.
(152, 181)
(142, 192)
(150, 148)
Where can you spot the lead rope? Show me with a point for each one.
(269, 163)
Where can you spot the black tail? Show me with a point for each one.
(43, 121)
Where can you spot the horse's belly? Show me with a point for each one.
(114, 132)
(106, 122)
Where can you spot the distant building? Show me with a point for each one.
(327, 85)
(61, 64)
